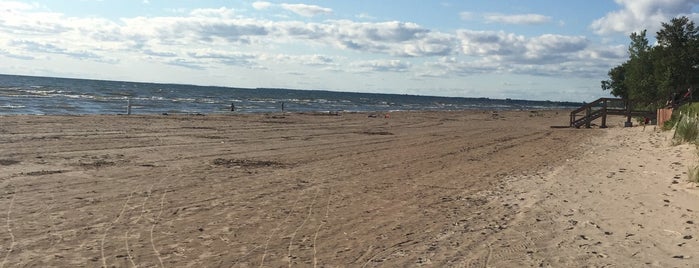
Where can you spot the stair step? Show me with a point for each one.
(603, 107)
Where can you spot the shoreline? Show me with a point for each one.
(57, 95)
(462, 188)
(309, 112)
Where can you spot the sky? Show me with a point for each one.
(537, 49)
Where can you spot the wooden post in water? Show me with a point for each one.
(128, 106)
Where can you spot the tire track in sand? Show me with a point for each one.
(325, 220)
(276, 229)
(293, 235)
(9, 230)
(106, 230)
(126, 234)
(152, 227)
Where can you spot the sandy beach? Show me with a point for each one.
(433, 189)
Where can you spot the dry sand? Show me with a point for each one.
(461, 189)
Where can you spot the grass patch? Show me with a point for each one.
(689, 109)
(694, 174)
(685, 122)
(686, 129)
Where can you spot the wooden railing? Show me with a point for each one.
(601, 108)
(596, 109)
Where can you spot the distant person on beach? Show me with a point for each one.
(646, 121)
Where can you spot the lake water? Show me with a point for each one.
(47, 95)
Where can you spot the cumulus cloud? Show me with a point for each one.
(637, 15)
(310, 60)
(365, 16)
(219, 38)
(52, 48)
(543, 49)
(319, 60)
(447, 66)
(307, 10)
(202, 27)
(485, 43)
(224, 57)
(164, 54)
(543, 55)
(392, 37)
(13, 20)
(618, 52)
(185, 63)
(557, 44)
(382, 32)
(213, 12)
(11, 6)
(13, 55)
(191, 29)
(467, 15)
(516, 19)
(433, 44)
(520, 19)
(259, 5)
(299, 9)
(383, 66)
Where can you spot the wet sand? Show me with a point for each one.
(463, 189)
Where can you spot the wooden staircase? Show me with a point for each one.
(603, 107)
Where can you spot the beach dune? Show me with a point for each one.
(462, 189)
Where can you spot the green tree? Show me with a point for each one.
(615, 83)
(677, 60)
(639, 45)
(653, 73)
(633, 79)
(639, 78)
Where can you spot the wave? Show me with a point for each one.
(10, 106)
(20, 94)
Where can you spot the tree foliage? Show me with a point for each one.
(615, 83)
(652, 74)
